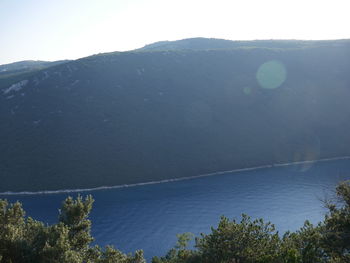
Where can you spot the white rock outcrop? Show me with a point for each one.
(16, 87)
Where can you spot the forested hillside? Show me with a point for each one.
(130, 117)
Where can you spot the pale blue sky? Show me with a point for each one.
(69, 29)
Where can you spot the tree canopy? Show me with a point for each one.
(25, 240)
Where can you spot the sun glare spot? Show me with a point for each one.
(271, 74)
(247, 90)
(308, 155)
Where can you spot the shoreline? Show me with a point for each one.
(99, 188)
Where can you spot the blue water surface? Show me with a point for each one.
(148, 217)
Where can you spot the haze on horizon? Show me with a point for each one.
(65, 29)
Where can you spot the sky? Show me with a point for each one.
(70, 29)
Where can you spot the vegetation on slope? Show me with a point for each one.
(201, 43)
(26, 66)
(25, 240)
(149, 115)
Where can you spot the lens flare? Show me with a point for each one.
(247, 90)
(271, 74)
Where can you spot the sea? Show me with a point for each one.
(148, 216)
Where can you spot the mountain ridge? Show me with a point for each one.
(129, 117)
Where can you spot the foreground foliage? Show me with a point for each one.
(25, 240)
(255, 241)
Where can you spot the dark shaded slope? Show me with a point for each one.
(142, 116)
